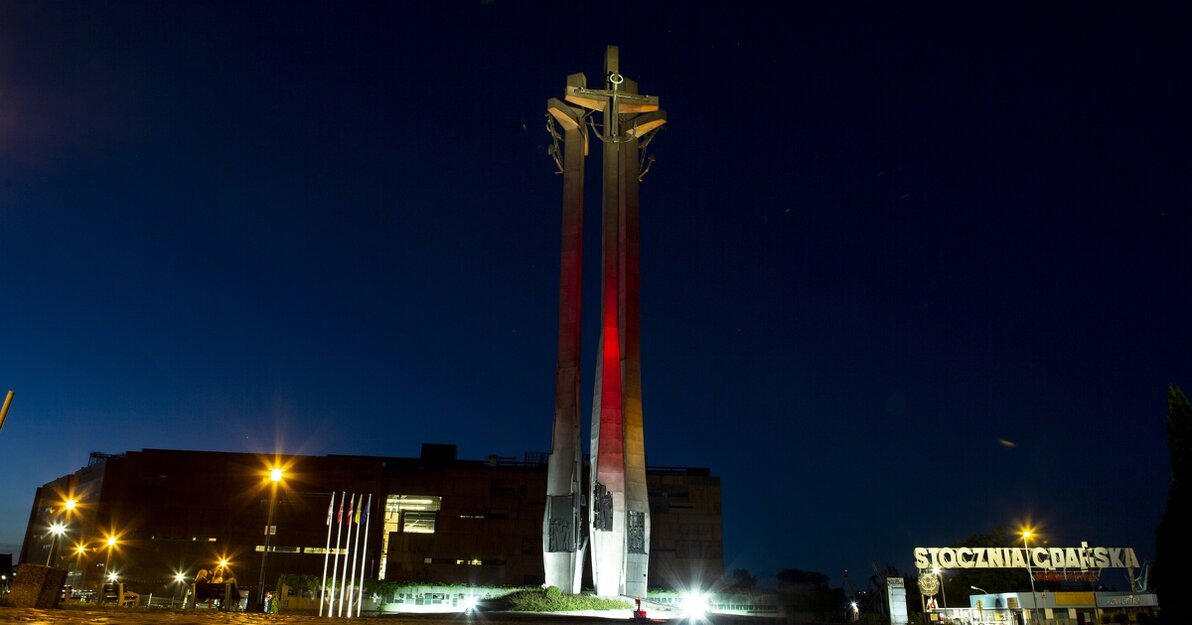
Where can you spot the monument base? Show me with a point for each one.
(37, 586)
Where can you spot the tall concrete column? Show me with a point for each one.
(562, 542)
(618, 508)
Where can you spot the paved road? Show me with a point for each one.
(154, 616)
(149, 616)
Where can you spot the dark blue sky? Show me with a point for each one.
(878, 240)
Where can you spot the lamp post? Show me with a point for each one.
(943, 592)
(180, 580)
(80, 550)
(107, 563)
(57, 529)
(980, 603)
(58, 526)
(275, 476)
(1027, 533)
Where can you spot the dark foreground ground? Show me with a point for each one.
(143, 616)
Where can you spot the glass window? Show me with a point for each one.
(418, 522)
(413, 514)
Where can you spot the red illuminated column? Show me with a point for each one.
(562, 551)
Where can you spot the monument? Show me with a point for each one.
(617, 501)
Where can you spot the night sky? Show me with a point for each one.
(908, 273)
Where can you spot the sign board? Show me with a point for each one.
(896, 599)
(1080, 558)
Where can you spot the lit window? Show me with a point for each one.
(412, 514)
(418, 522)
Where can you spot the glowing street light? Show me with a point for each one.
(111, 543)
(1026, 534)
(943, 593)
(275, 476)
(57, 529)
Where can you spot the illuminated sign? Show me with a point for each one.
(896, 599)
(1082, 558)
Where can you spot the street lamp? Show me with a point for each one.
(110, 542)
(180, 579)
(58, 526)
(275, 476)
(943, 593)
(1027, 533)
(80, 550)
(57, 529)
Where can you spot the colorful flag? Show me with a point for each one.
(330, 509)
(358, 502)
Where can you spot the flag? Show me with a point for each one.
(358, 502)
(340, 517)
(349, 519)
(330, 509)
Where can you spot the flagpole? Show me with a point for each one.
(326, 552)
(347, 553)
(364, 553)
(356, 549)
(339, 523)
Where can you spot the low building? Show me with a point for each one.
(155, 517)
(1058, 608)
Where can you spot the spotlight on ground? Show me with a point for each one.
(694, 605)
(469, 604)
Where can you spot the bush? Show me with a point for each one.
(553, 600)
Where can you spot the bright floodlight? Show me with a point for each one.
(469, 604)
(694, 605)
(223, 563)
(71, 503)
(179, 577)
(113, 576)
(80, 549)
(57, 529)
(275, 474)
(111, 541)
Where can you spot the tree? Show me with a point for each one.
(1172, 539)
(958, 583)
(808, 592)
(739, 580)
